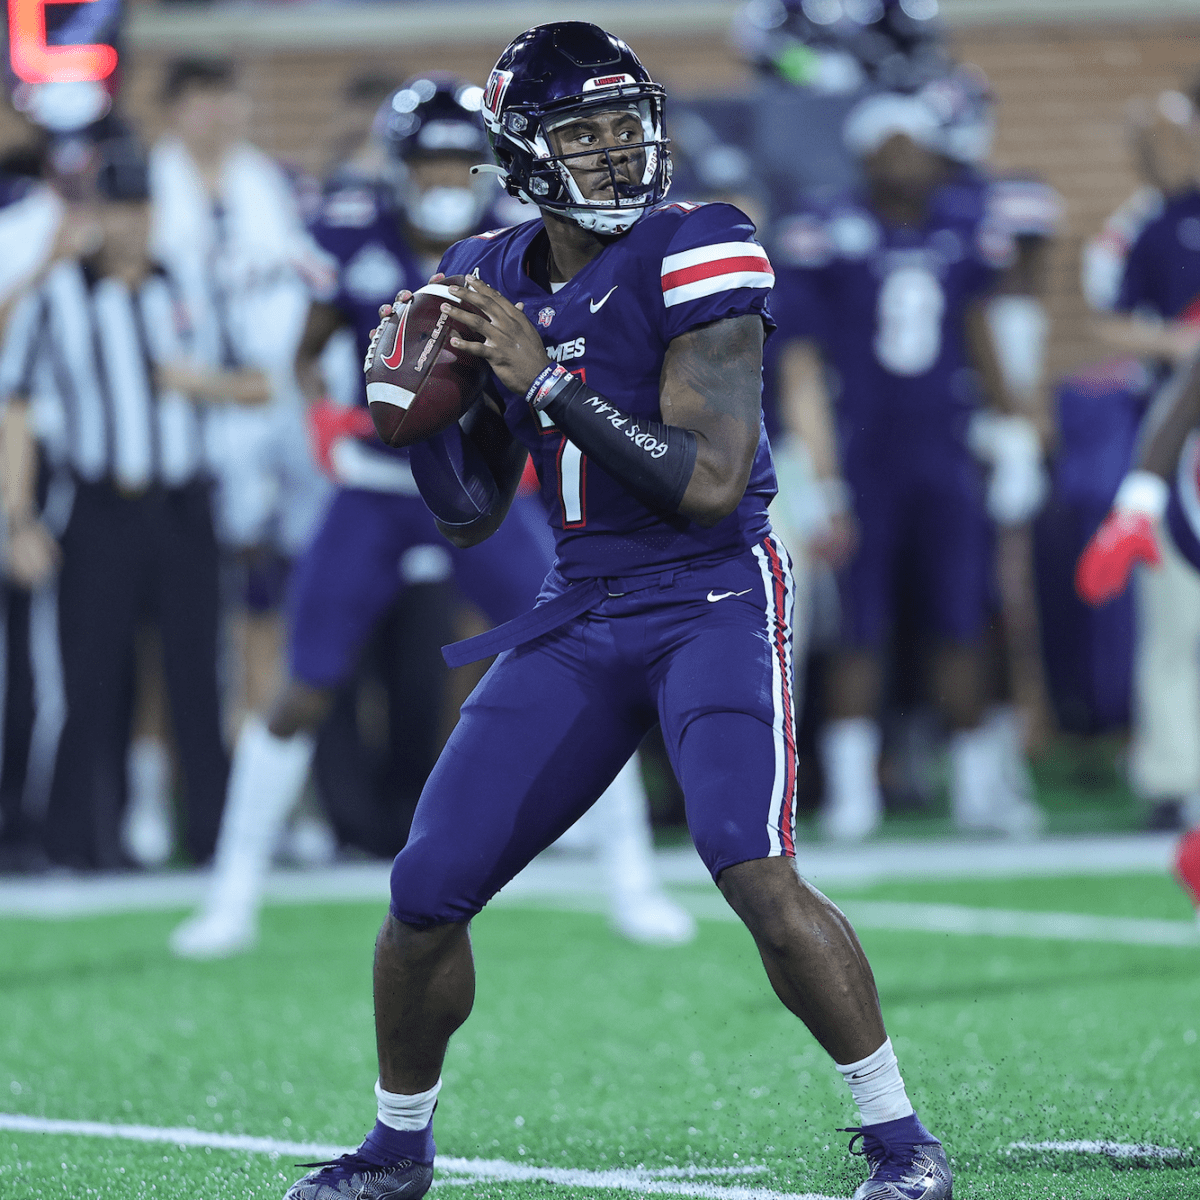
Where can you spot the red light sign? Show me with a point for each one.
(35, 61)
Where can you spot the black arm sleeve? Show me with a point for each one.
(653, 460)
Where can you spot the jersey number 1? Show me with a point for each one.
(571, 466)
(572, 477)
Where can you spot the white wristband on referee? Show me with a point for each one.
(1144, 493)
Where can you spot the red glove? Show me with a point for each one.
(1187, 864)
(1124, 539)
(329, 423)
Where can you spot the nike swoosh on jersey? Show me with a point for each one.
(597, 305)
(396, 357)
(713, 597)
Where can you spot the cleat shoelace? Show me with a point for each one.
(885, 1164)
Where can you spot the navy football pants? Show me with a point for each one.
(707, 653)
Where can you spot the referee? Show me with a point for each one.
(95, 369)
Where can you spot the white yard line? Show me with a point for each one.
(460, 1172)
(559, 875)
(572, 883)
(944, 918)
(1107, 1149)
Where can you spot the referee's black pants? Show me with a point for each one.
(128, 559)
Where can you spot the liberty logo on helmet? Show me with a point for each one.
(545, 317)
(604, 81)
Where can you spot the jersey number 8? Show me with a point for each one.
(908, 336)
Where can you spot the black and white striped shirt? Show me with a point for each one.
(82, 350)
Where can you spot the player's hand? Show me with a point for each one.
(403, 296)
(33, 555)
(1123, 540)
(835, 543)
(511, 344)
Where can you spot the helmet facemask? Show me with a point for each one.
(539, 175)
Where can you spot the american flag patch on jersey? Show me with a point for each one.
(707, 270)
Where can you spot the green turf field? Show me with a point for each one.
(586, 1052)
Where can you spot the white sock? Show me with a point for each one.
(973, 768)
(399, 1111)
(146, 830)
(265, 782)
(850, 758)
(1004, 725)
(876, 1086)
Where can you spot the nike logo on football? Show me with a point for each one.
(713, 597)
(597, 305)
(396, 357)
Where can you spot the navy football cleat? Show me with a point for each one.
(353, 1177)
(901, 1170)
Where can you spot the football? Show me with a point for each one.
(417, 384)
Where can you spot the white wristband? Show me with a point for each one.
(1144, 493)
(835, 494)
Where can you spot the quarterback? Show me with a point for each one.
(624, 337)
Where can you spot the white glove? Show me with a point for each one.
(1010, 445)
(808, 504)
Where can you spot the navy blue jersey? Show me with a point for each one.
(1014, 205)
(679, 267)
(1162, 272)
(886, 304)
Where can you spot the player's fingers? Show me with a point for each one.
(485, 297)
(494, 304)
(486, 350)
(438, 275)
(481, 325)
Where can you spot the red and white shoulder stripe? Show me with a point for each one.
(706, 270)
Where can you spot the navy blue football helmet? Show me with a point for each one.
(434, 113)
(432, 116)
(842, 45)
(557, 72)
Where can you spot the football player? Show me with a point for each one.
(887, 291)
(1156, 508)
(1027, 210)
(377, 532)
(670, 598)
(1155, 314)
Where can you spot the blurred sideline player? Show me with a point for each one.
(842, 48)
(228, 228)
(377, 527)
(1144, 270)
(1029, 211)
(888, 291)
(670, 598)
(1156, 511)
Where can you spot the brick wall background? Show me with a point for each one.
(1061, 88)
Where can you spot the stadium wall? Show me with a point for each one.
(1062, 89)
